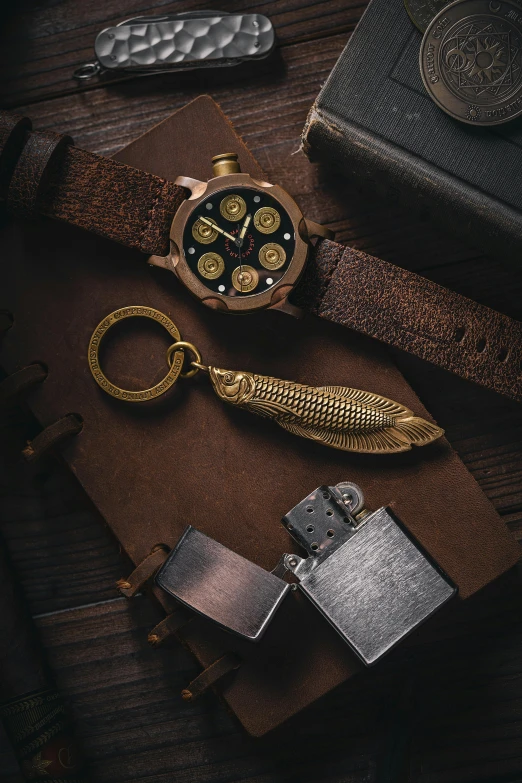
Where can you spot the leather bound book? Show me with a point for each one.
(374, 120)
(186, 458)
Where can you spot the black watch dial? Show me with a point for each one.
(239, 242)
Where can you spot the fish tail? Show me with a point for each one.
(416, 431)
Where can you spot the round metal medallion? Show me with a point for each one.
(233, 207)
(245, 278)
(204, 233)
(471, 61)
(272, 256)
(267, 220)
(211, 266)
(421, 12)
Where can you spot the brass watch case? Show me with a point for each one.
(276, 296)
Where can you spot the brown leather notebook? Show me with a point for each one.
(152, 469)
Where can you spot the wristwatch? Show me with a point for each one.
(240, 245)
(237, 243)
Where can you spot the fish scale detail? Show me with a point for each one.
(337, 416)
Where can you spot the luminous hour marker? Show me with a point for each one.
(192, 250)
(287, 236)
(269, 281)
(209, 205)
(221, 289)
(257, 199)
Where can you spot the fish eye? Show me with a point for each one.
(229, 378)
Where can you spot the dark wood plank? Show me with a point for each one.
(42, 45)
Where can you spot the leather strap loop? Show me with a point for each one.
(208, 677)
(13, 134)
(36, 165)
(410, 312)
(168, 627)
(23, 379)
(63, 428)
(143, 572)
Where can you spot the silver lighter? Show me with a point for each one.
(198, 39)
(363, 572)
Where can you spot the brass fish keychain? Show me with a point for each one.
(337, 416)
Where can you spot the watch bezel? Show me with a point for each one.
(274, 296)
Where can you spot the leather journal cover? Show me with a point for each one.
(374, 120)
(186, 458)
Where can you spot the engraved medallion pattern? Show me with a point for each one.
(479, 60)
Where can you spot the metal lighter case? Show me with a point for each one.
(363, 572)
(183, 41)
(221, 585)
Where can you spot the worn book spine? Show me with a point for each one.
(383, 168)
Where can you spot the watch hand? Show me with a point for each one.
(240, 265)
(243, 231)
(217, 228)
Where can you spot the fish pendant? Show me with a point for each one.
(336, 416)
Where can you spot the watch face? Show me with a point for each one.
(239, 242)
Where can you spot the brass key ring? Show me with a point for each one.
(175, 360)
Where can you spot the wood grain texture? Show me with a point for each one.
(456, 719)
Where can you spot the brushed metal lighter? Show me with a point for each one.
(363, 572)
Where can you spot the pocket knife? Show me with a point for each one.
(197, 39)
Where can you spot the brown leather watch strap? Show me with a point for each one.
(412, 313)
(114, 200)
(93, 192)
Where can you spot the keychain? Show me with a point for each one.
(339, 417)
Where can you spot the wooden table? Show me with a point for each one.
(460, 722)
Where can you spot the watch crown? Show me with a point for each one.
(227, 163)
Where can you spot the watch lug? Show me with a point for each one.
(317, 230)
(285, 306)
(262, 183)
(165, 262)
(196, 187)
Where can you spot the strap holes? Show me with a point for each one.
(315, 547)
(481, 345)
(503, 355)
(459, 334)
(329, 512)
(310, 529)
(330, 533)
(310, 509)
